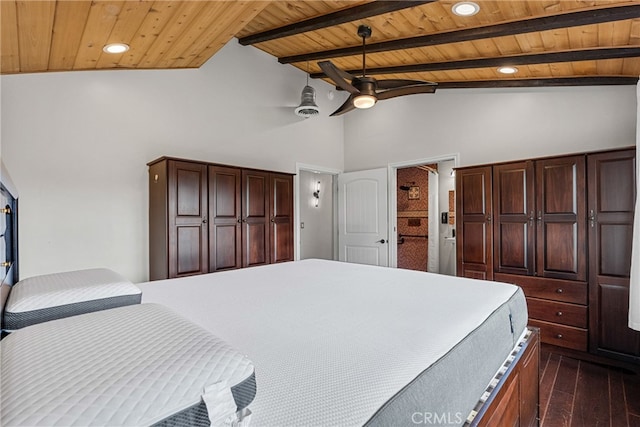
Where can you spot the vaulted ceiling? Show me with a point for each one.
(550, 42)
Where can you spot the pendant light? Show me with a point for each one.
(307, 107)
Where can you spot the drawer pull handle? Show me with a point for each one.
(559, 290)
(559, 313)
(559, 336)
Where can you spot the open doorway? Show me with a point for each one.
(315, 231)
(422, 217)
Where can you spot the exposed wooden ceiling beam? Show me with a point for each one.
(540, 58)
(573, 19)
(331, 19)
(563, 81)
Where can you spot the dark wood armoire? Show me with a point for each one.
(206, 217)
(561, 228)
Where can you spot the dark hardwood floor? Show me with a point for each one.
(576, 393)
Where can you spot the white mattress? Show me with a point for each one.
(129, 366)
(54, 296)
(332, 342)
(69, 287)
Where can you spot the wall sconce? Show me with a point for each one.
(316, 195)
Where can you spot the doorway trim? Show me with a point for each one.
(296, 191)
(393, 196)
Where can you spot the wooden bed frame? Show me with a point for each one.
(515, 399)
(9, 238)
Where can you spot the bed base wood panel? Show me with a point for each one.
(515, 399)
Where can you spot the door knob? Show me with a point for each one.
(381, 241)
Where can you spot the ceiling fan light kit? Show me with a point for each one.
(364, 101)
(366, 91)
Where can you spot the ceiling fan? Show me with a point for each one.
(366, 91)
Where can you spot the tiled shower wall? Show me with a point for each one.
(413, 218)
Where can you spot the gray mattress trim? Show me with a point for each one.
(446, 392)
(17, 320)
(197, 415)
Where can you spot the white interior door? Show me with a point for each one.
(363, 217)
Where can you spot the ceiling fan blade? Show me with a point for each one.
(344, 108)
(410, 90)
(338, 76)
(396, 83)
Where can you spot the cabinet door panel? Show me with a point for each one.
(187, 213)
(189, 247)
(255, 252)
(514, 252)
(561, 218)
(616, 189)
(514, 233)
(281, 212)
(474, 186)
(255, 219)
(225, 216)
(225, 247)
(613, 313)
(189, 192)
(612, 192)
(255, 188)
(614, 246)
(474, 246)
(561, 257)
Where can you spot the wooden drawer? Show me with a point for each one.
(558, 312)
(561, 335)
(552, 289)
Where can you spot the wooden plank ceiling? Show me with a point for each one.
(551, 42)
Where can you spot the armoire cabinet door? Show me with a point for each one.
(612, 193)
(561, 218)
(255, 218)
(474, 235)
(225, 216)
(281, 217)
(187, 214)
(514, 218)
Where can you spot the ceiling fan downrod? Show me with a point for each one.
(364, 31)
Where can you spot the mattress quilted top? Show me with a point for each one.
(132, 365)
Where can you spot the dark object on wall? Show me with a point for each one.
(414, 193)
(444, 217)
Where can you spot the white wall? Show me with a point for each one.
(446, 183)
(77, 144)
(490, 125)
(316, 238)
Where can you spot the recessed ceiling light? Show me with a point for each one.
(465, 8)
(116, 48)
(507, 70)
